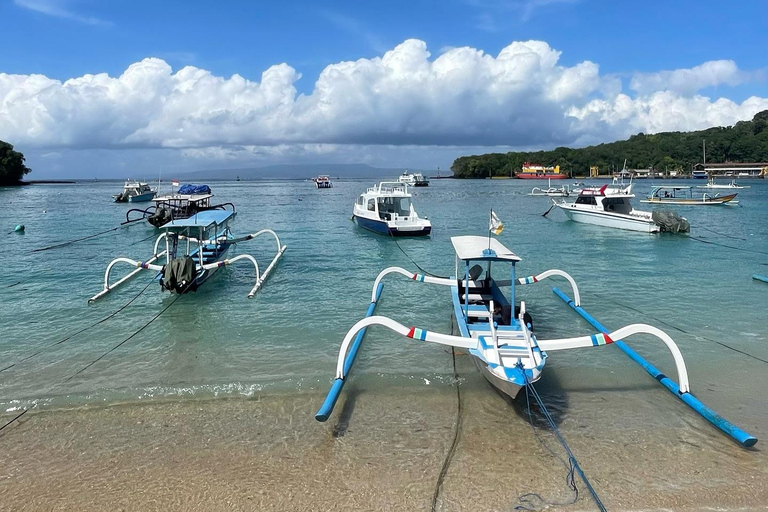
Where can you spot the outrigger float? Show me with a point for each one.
(195, 248)
(502, 344)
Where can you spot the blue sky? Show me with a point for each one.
(63, 39)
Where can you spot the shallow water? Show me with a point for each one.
(216, 343)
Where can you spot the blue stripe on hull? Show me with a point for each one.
(382, 228)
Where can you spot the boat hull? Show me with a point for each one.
(694, 202)
(381, 227)
(505, 387)
(542, 176)
(141, 198)
(610, 220)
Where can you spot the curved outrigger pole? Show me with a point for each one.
(151, 264)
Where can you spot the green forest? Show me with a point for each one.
(12, 168)
(746, 141)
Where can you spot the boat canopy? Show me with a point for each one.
(182, 197)
(194, 189)
(203, 219)
(473, 247)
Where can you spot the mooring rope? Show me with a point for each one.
(726, 245)
(729, 347)
(81, 330)
(456, 431)
(574, 464)
(70, 242)
(15, 418)
(412, 261)
(722, 234)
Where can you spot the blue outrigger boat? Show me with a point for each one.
(497, 332)
(194, 249)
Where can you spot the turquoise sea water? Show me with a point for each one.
(216, 342)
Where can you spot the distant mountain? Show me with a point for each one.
(295, 172)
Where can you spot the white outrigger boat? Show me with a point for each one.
(135, 192)
(387, 209)
(194, 249)
(504, 347)
(182, 204)
(551, 191)
(683, 196)
(711, 184)
(611, 207)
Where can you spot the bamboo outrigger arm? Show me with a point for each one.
(412, 275)
(550, 273)
(141, 265)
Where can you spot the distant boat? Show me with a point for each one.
(683, 196)
(711, 184)
(563, 191)
(699, 175)
(135, 192)
(238, 178)
(539, 172)
(323, 181)
(414, 179)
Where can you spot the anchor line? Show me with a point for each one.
(412, 261)
(726, 245)
(70, 242)
(102, 356)
(81, 330)
(574, 464)
(456, 431)
(15, 418)
(729, 347)
(723, 234)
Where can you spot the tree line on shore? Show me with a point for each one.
(12, 168)
(746, 141)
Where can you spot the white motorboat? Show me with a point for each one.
(387, 209)
(135, 192)
(323, 181)
(415, 179)
(611, 207)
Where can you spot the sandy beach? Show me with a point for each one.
(380, 451)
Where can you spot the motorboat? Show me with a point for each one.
(323, 181)
(135, 192)
(413, 179)
(387, 209)
(611, 207)
(684, 196)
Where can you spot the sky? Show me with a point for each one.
(112, 88)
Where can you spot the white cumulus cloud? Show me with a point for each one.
(521, 97)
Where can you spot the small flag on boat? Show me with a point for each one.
(496, 226)
(175, 183)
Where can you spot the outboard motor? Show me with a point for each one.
(160, 217)
(178, 275)
(670, 222)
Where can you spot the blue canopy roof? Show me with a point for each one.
(202, 220)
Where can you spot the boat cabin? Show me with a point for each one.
(606, 199)
(389, 201)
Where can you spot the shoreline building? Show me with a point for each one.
(734, 169)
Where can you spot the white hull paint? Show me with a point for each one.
(503, 386)
(611, 220)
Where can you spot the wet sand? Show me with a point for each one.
(382, 450)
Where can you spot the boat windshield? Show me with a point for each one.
(400, 206)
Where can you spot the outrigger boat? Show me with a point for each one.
(186, 202)
(551, 191)
(387, 209)
(684, 196)
(712, 184)
(195, 248)
(611, 207)
(504, 347)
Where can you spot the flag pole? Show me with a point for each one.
(490, 222)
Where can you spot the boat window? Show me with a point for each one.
(371, 205)
(360, 201)
(586, 200)
(400, 206)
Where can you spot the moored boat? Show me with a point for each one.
(551, 191)
(192, 250)
(612, 207)
(387, 209)
(539, 172)
(413, 179)
(497, 332)
(184, 203)
(323, 181)
(712, 184)
(684, 196)
(135, 192)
